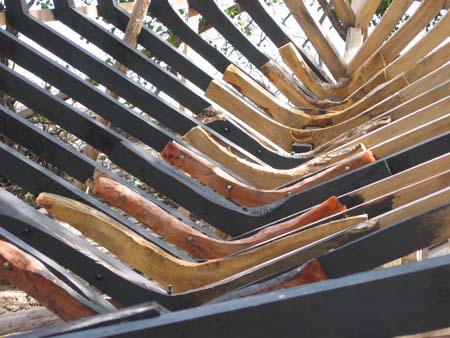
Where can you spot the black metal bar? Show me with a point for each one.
(149, 103)
(258, 12)
(163, 50)
(371, 251)
(210, 11)
(78, 166)
(370, 304)
(164, 12)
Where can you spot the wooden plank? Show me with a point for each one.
(364, 11)
(353, 43)
(244, 194)
(27, 320)
(344, 12)
(324, 47)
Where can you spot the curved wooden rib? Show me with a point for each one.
(261, 177)
(375, 63)
(30, 275)
(166, 269)
(250, 172)
(323, 46)
(192, 241)
(226, 185)
(416, 87)
(364, 13)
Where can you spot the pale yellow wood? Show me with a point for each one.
(442, 333)
(344, 12)
(353, 42)
(279, 111)
(433, 39)
(412, 137)
(380, 33)
(321, 43)
(285, 84)
(425, 13)
(274, 131)
(261, 177)
(402, 109)
(374, 64)
(403, 88)
(165, 268)
(404, 124)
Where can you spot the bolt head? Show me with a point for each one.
(346, 168)
(181, 157)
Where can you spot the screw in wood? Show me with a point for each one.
(229, 186)
(190, 238)
(169, 289)
(181, 157)
(289, 193)
(346, 168)
(7, 265)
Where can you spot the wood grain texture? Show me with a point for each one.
(405, 124)
(409, 87)
(235, 190)
(192, 241)
(379, 34)
(414, 136)
(344, 12)
(31, 276)
(166, 269)
(365, 13)
(27, 320)
(261, 177)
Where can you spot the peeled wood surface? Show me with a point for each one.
(164, 268)
(192, 241)
(261, 177)
(31, 276)
(27, 320)
(241, 193)
(285, 84)
(310, 272)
